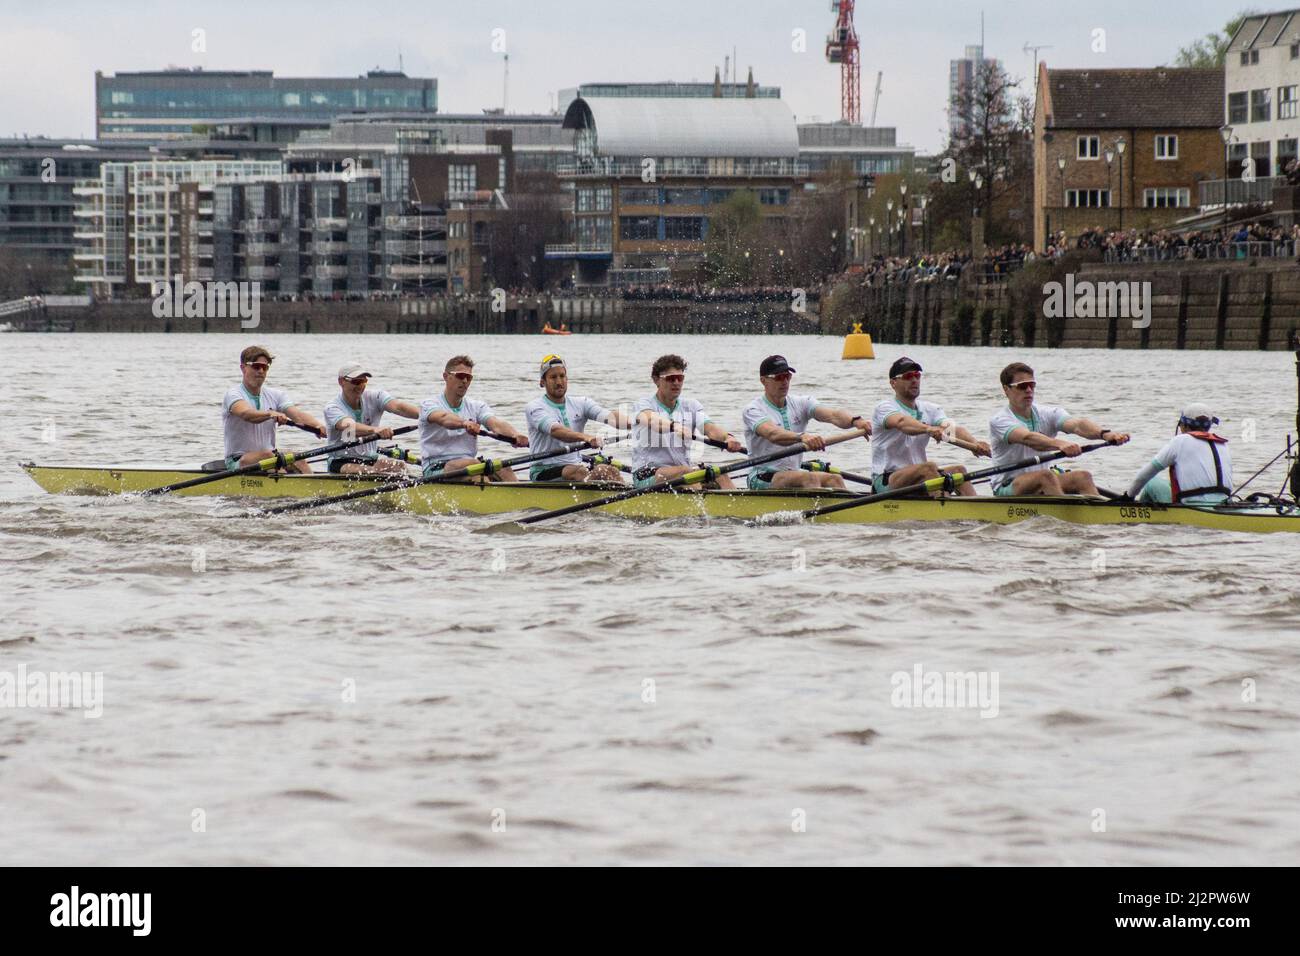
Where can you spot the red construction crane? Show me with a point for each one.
(842, 48)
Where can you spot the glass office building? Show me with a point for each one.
(167, 104)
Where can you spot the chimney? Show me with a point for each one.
(717, 84)
(749, 85)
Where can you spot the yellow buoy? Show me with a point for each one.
(857, 344)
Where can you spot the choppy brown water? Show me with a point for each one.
(504, 677)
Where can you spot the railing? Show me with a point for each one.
(261, 248)
(331, 222)
(686, 167)
(415, 222)
(260, 225)
(1253, 249)
(1240, 191)
(430, 269)
(330, 272)
(327, 247)
(399, 247)
(257, 273)
(562, 249)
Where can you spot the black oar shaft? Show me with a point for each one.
(935, 484)
(267, 464)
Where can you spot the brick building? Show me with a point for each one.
(1135, 145)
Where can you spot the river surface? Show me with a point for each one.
(386, 688)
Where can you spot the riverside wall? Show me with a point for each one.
(1240, 306)
(442, 315)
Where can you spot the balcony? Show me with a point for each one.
(84, 212)
(571, 250)
(716, 168)
(261, 248)
(259, 273)
(203, 274)
(260, 225)
(330, 272)
(77, 234)
(433, 223)
(374, 199)
(429, 271)
(327, 247)
(1240, 192)
(87, 187)
(82, 255)
(414, 247)
(331, 222)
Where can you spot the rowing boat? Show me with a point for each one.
(505, 498)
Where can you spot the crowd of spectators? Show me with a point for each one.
(1241, 241)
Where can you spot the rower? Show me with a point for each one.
(1024, 429)
(904, 425)
(1200, 468)
(451, 422)
(776, 418)
(557, 419)
(666, 424)
(355, 413)
(252, 409)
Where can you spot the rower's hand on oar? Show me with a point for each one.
(384, 433)
(280, 418)
(593, 441)
(936, 432)
(520, 441)
(812, 442)
(982, 449)
(473, 427)
(733, 445)
(1116, 438)
(1070, 450)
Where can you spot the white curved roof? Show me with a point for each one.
(687, 126)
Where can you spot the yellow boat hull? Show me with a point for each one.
(505, 498)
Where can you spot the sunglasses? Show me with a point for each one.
(782, 376)
(358, 381)
(463, 376)
(910, 376)
(1024, 386)
(260, 366)
(676, 379)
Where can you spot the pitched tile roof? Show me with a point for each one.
(1266, 29)
(1142, 99)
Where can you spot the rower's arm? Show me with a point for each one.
(1152, 469)
(777, 435)
(350, 426)
(568, 435)
(298, 416)
(1086, 428)
(842, 419)
(715, 431)
(912, 426)
(445, 419)
(981, 448)
(618, 418)
(242, 409)
(1035, 440)
(659, 423)
(403, 409)
(503, 428)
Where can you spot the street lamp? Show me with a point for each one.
(873, 235)
(902, 188)
(1120, 146)
(1110, 158)
(925, 224)
(1060, 169)
(889, 235)
(1226, 132)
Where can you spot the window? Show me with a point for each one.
(684, 227)
(501, 173)
(1260, 102)
(1237, 153)
(604, 198)
(462, 179)
(774, 197)
(1237, 110)
(1286, 151)
(1089, 147)
(1249, 57)
(122, 96)
(1088, 198)
(1166, 147)
(638, 227)
(638, 197)
(1286, 100)
(684, 197)
(717, 196)
(586, 200)
(1167, 197)
(1259, 152)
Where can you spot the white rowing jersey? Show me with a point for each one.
(793, 417)
(891, 449)
(573, 413)
(373, 403)
(1044, 419)
(662, 449)
(438, 443)
(1192, 462)
(242, 436)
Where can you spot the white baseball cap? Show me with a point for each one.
(354, 370)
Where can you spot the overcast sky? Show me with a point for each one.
(49, 52)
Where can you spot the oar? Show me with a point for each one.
(479, 468)
(707, 473)
(401, 454)
(267, 464)
(943, 482)
(306, 428)
(826, 466)
(599, 459)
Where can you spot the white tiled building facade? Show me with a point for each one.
(1262, 92)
